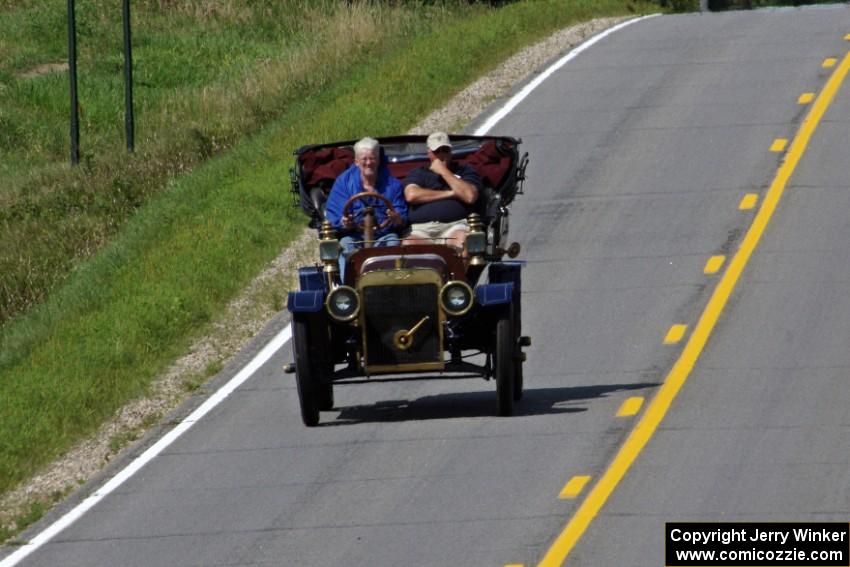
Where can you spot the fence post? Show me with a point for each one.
(72, 73)
(128, 80)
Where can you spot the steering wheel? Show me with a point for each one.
(365, 219)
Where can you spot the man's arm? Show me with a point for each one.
(417, 192)
(416, 195)
(461, 189)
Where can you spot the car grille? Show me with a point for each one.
(390, 308)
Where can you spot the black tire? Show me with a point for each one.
(518, 364)
(504, 363)
(518, 380)
(306, 371)
(325, 392)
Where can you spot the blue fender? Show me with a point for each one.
(311, 278)
(507, 271)
(310, 301)
(494, 294)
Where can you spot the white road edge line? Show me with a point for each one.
(526, 90)
(264, 355)
(220, 395)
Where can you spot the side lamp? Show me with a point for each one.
(329, 250)
(476, 240)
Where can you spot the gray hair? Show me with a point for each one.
(366, 145)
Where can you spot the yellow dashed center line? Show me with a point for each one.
(806, 98)
(630, 407)
(829, 62)
(574, 487)
(675, 334)
(778, 144)
(713, 265)
(678, 375)
(749, 201)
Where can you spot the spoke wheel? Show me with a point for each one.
(518, 363)
(504, 363)
(306, 371)
(325, 391)
(518, 380)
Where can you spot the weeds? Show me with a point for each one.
(118, 442)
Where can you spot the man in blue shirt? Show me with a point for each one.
(369, 173)
(441, 196)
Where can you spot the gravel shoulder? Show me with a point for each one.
(256, 305)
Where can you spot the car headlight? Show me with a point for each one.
(476, 242)
(343, 304)
(456, 297)
(329, 250)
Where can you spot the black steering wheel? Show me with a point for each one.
(364, 221)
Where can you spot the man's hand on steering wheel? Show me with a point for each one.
(393, 216)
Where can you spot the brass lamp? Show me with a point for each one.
(476, 240)
(329, 251)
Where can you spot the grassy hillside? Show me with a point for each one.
(206, 73)
(152, 252)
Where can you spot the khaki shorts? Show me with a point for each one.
(436, 230)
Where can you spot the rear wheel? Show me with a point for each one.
(504, 364)
(306, 371)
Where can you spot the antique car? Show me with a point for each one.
(412, 311)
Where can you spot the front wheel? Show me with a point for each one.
(504, 365)
(518, 356)
(518, 380)
(326, 395)
(306, 371)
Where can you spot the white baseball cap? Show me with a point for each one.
(438, 140)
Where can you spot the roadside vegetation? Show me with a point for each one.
(108, 270)
(206, 74)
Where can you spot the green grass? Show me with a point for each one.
(206, 74)
(184, 245)
(35, 510)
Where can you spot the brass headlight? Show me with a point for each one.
(456, 297)
(343, 303)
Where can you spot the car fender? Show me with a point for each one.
(505, 271)
(311, 278)
(487, 295)
(310, 301)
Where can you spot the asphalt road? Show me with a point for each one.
(642, 149)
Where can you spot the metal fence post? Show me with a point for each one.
(72, 73)
(128, 80)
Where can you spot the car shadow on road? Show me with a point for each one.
(536, 401)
